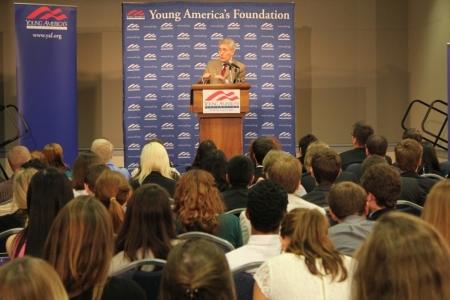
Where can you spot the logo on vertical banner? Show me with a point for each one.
(135, 15)
(45, 18)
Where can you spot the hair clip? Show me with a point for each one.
(191, 294)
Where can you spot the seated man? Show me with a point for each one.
(360, 134)
(104, 148)
(408, 157)
(267, 203)
(348, 206)
(325, 168)
(17, 156)
(375, 145)
(383, 186)
(239, 176)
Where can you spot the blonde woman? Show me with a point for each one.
(32, 279)
(155, 168)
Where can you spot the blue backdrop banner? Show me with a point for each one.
(165, 49)
(47, 76)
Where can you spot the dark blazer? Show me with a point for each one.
(411, 191)
(319, 195)
(309, 183)
(258, 172)
(156, 177)
(353, 156)
(235, 197)
(425, 183)
(376, 215)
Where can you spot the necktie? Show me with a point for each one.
(224, 69)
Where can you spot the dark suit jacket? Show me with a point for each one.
(425, 183)
(235, 197)
(156, 177)
(258, 173)
(319, 195)
(357, 167)
(309, 183)
(376, 215)
(214, 67)
(353, 156)
(411, 191)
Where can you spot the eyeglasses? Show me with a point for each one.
(223, 50)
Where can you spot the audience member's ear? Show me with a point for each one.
(333, 216)
(298, 186)
(300, 152)
(86, 188)
(312, 172)
(366, 209)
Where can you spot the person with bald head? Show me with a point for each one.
(17, 156)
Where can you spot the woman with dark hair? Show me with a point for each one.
(49, 190)
(198, 207)
(430, 162)
(53, 154)
(113, 190)
(215, 162)
(203, 148)
(80, 247)
(148, 230)
(310, 267)
(83, 160)
(197, 269)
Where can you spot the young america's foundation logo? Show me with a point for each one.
(45, 18)
(135, 15)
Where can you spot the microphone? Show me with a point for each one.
(234, 65)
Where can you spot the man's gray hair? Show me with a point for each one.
(229, 41)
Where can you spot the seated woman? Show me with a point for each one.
(32, 279)
(83, 160)
(53, 154)
(113, 190)
(18, 215)
(215, 162)
(310, 268)
(155, 168)
(403, 258)
(430, 162)
(80, 247)
(148, 230)
(197, 269)
(198, 207)
(49, 190)
(203, 148)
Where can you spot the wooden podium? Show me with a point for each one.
(225, 129)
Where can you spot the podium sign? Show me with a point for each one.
(221, 102)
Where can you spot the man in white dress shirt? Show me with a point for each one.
(267, 203)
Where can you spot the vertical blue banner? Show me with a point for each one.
(47, 76)
(166, 47)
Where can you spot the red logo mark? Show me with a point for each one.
(56, 14)
(222, 96)
(135, 13)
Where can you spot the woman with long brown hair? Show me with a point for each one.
(198, 207)
(310, 268)
(80, 248)
(53, 154)
(148, 230)
(113, 190)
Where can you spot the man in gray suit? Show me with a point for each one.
(219, 71)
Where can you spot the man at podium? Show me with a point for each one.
(225, 70)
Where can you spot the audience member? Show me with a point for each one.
(348, 206)
(32, 279)
(148, 230)
(437, 209)
(375, 145)
(430, 162)
(35, 163)
(215, 162)
(260, 147)
(155, 168)
(197, 269)
(203, 148)
(383, 187)
(91, 175)
(310, 267)
(303, 144)
(49, 190)
(83, 160)
(403, 258)
(80, 248)
(113, 190)
(325, 168)
(412, 133)
(105, 149)
(18, 215)
(53, 154)
(198, 207)
(408, 157)
(411, 190)
(239, 176)
(308, 182)
(36, 154)
(267, 204)
(16, 157)
(360, 134)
